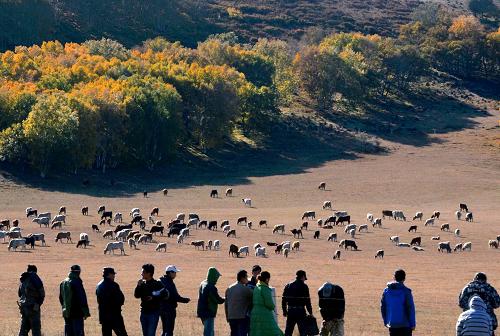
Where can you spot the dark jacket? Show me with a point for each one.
(486, 292)
(331, 302)
(31, 291)
(397, 307)
(150, 303)
(73, 298)
(170, 303)
(253, 282)
(296, 294)
(110, 299)
(208, 296)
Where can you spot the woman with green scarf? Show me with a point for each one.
(262, 322)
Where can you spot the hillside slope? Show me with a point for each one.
(27, 22)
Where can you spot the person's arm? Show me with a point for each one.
(463, 299)
(460, 326)
(138, 290)
(215, 294)
(495, 299)
(61, 301)
(82, 297)
(267, 298)
(411, 310)
(383, 307)
(340, 298)
(226, 303)
(308, 300)
(177, 297)
(120, 298)
(19, 290)
(41, 295)
(284, 300)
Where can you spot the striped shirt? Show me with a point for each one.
(475, 321)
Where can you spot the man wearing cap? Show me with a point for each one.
(151, 292)
(110, 300)
(237, 306)
(31, 296)
(168, 306)
(295, 301)
(74, 304)
(480, 287)
(256, 269)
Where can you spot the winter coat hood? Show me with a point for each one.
(213, 275)
(477, 303)
(327, 289)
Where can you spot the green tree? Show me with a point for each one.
(50, 132)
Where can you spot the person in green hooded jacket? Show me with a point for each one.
(74, 304)
(208, 301)
(262, 321)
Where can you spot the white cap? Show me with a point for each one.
(172, 268)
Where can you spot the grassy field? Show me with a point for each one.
(449, 168)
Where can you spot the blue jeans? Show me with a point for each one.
(149, 323)
(73, 327)
(208, 326)
(239, 327)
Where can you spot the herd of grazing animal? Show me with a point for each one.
(137, 233)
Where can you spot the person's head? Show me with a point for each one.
(148, 270)
(400, 275)
(242, 277)
(264, 277)
(213, 275)
(256, 269)
(108, 273)
(301, 275)
(480, 276)
(171, 271)
(76, 269)
(31, 269)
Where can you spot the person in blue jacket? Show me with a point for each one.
(397, 307)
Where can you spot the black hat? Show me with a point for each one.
(76, 268)
(108, 270)
(301, 273)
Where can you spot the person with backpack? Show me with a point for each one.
(331, 308)
(31, 296)
(168, 306)
(74, 303)
(208, 301)
(110, 300)
(475, 321)
(397, 306)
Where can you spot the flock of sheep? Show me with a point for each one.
(144, 229)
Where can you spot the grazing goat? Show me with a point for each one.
(244, 250)
(387, 213)
(369, 217)
(82, 242)
(469, 217)
(161, 246)
(493, 244)
(231, 233)
(262, 222)
(155, 211)
(416, 241)
(279, 228)
(316, 234)
(429, 221)
(42, 221)
(467, 246)
(15, 243)
(458, 214)
(336, 255)
(131, 244)
(63, 235)
(304, 225)
(260, 252)
(394, 239)
(436, 238)
(436, 214)
(458, 247)
(419, 215)
(413, 228)
(214, 193)
(234, 250)
(398, 215)
(101, 209)
(198, 243)
(444, 246)
(165, 192)
(108, 234)
(457, 232)
(445, 227)
(342, 219)
(332, 237)
(216, 245)
(247, 202)
(417, 248)
(229, 192)
(322, 186)
(377, 222)
(111, 247)
(363, 227)
(309, 215)
(62, 210)
(56, 225)
(348, 243)
(241, 220)
(463, 207)
(286, 252)
(380, 254)
(327, 205)
(297, 233)
(295, 246)
(85, 211)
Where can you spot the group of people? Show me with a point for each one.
(249, 304)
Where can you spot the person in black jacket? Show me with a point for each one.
(31, 296)
(295, 301)
(332, 308)
(110, 299)
(151, 292)
(168, 306)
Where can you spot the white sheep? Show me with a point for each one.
(429, 221)
(458, 214)
(418, 215)
(369, 217)
(216, 244)
(457, 232)
(363, 227)
(352, 233)
(118, 217)
(243, 249)
(256, 246)
(260, 252)
(226, 228)
(467, 246)
(247, 202)
(111, 247)
(394, 239)
(161, 246)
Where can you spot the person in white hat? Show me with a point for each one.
(168, 307)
